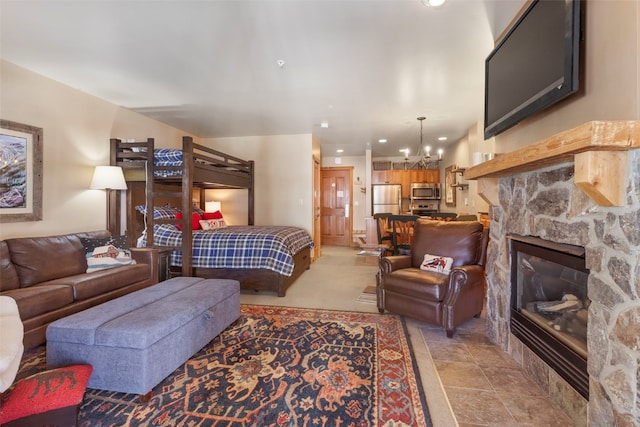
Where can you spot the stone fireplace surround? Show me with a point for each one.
(547, 203)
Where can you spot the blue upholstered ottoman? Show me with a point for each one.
(135, 341)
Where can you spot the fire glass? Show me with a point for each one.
(552, 292)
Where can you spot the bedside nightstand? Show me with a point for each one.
(163, 264)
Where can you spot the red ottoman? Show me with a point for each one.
(49, 397)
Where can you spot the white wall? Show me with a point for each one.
(283, 179)
(76, 132)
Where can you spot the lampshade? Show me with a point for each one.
(108, 178)
(212, 206)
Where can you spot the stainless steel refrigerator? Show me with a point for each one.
(387, 198)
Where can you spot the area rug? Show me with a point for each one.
(278, 366)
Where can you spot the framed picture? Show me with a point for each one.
(21, 176)
(449, 185)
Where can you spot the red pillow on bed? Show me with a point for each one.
(212, 215)
(195, 220)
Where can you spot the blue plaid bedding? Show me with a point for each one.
(167, 157)
(270, 247)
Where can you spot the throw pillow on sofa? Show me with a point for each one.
(106, 253)
(119, 242)
(109, 256)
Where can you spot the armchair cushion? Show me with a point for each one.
(417, 283)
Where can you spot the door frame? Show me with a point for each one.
(317, 229)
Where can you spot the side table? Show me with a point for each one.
(164, 256)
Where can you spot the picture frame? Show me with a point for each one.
(21, 177)
(450, 185)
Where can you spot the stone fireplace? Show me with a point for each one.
(550, 305)
(542, 199)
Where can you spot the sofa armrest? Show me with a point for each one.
(393, 263)
(148, 256)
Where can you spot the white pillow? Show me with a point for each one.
(210, 224)
(437, 264)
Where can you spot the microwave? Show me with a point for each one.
(425, 191)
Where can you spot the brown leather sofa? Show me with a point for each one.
(446, 300)
(47, 278)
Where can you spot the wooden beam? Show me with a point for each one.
(601, 175)
(560, 148)
(598, 150)
(488, 190)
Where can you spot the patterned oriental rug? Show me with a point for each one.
(278, 366)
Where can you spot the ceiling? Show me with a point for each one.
(368, 68)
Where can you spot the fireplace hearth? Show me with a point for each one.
(549, 305)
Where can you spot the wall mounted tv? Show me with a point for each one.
(534, 66)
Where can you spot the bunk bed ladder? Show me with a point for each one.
(187, 206)
(155, 192)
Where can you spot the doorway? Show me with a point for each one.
(336, 206)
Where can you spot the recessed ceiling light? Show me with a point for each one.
(324, 124)
(433, 3)
(382, 141)
(339, 150)
(442, 138)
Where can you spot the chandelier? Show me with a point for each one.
(424, 159)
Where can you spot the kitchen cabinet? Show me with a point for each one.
(406, 184)
(405, 177)
(381, 177)
(425, 175)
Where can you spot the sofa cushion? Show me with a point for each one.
(36, 300)
(40, 259)
(88, 285)
(8, 274)
(417, 283)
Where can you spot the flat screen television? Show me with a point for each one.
(534, 66)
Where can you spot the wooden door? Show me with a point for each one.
(336, 206)
(317, 233)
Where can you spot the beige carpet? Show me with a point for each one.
(336, 282)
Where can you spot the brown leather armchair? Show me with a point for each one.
(442, 299)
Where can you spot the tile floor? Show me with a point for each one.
(484, 386)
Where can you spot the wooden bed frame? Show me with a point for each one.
(210, 169)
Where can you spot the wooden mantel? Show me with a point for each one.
(598, 149)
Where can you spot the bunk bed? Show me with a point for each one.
(158, 178)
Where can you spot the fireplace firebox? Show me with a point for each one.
(549, 305)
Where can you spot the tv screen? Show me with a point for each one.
(534, 66)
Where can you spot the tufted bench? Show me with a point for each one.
(135, 341)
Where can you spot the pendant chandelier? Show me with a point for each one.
(424, 159)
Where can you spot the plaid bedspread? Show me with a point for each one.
(270, 247)
(167, 157)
